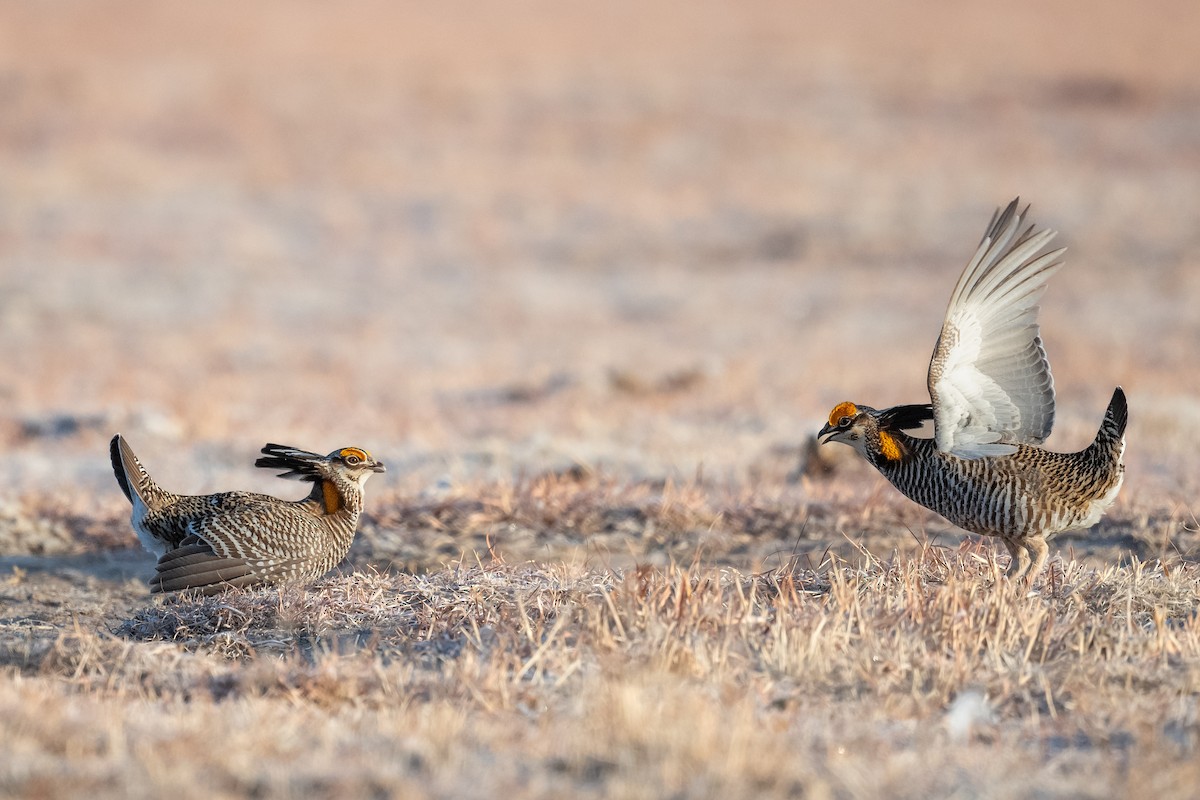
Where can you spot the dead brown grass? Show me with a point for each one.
(55, 524)
(879, 678)
(587, 278)
(787, 515)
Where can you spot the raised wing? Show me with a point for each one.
(989, 379)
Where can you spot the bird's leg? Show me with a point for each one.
(1012, 555)
(1038, 549)
(1018, 565)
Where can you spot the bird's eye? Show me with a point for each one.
(844, 422)
(352, 460)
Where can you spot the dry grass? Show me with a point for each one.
(587, 279)
(909, 678)
(602, 519)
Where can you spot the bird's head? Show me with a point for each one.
(351, 464)
(355, 464)
(852, 425)
(876, 435)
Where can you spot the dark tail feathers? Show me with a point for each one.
(1116, 417)
(114, 453)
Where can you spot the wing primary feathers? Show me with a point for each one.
(194, 565)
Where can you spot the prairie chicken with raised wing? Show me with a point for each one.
(993, 401)
(210, 542)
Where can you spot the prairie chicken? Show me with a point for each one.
(210, 542)
(993, 401)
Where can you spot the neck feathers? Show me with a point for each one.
(894, 449)
(889, 447)
(894, 444)
(331, 497)
(335, 497)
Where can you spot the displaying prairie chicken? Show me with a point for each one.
(210, 542)
(993, 401)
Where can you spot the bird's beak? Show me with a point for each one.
(378, 467)
(826, 434)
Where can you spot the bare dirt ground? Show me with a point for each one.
(587, 280)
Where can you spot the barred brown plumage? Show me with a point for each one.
(210, 542)
(992, 401)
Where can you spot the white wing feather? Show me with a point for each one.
(989, 379)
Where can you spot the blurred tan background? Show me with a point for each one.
(488, 239)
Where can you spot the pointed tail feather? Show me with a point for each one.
(132, 477)
(114, 453)
(1115, 418)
